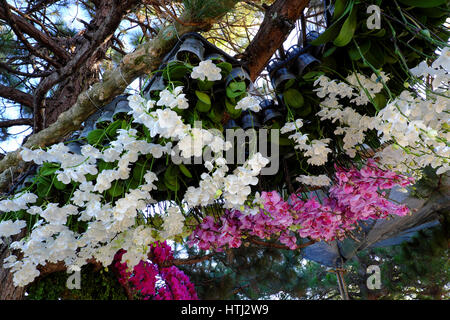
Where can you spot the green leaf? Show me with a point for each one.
(204, 85)
(117, 189)
(185, 171)
(284, 141)
(231, 109)
(380, 100)
(140, 169)
(48, 169)
(171, 178)
(43, 188)
(423, 3)
(59, 185)
(329, 51)
(215, 114)
(111, 130)
(353, 51)
(332, 31)
(202, 107)
(95, 136)
(347, 30)
(432, 12)
(233, 94)
(238, 86)
(175, 71)
(226, 67)
(103, 165)
(171, 173)
(289, 83)
(203, 97)
(339, 8)
(303, 111)
(312, 75)
(293, 98)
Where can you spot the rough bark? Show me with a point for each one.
(16, 95)
(278, 22)
(7, 289)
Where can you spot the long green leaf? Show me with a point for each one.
(334, 29)
(348, 30)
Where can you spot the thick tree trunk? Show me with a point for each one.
(7, 289)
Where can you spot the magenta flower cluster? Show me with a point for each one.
(356, 195)
(151, 280)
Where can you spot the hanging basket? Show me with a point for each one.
(238, 74)
(122, 108)
(156, 84)
(304, 62)
(215, 58)
(231, 124)
(316, 51)
(191, 50)
(293, 52)
(250, 120)
(279, 74)
(269, 112)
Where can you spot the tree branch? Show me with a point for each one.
(278, 22)
(19, 23)
(16, 122)
(16, 96)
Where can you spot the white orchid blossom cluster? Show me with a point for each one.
(233, 188)
(316, 150)
(113, 225)
(415, 126)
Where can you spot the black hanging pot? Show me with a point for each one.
(156, 85)
(191, 50)
(215, 58)
(304, 62)
(105, 119)
(281, 77)
(231, 124)
(122, 107)
(273, 65)
(249, 120)
(316, 51)
(293, 52)
(269, 112)
(279, 74)
(238, 74)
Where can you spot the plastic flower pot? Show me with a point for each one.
(191, 50)
(269, 111)
(293, 52)
(157, 84)
(215, 58)
(75, 147)
(281, 78)
(249, 120)
(279, 74)
(122, 108)
(231, 124)
(273, 65)
(304, 62)
(104, 120)
(316, 51)
(238, 74)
